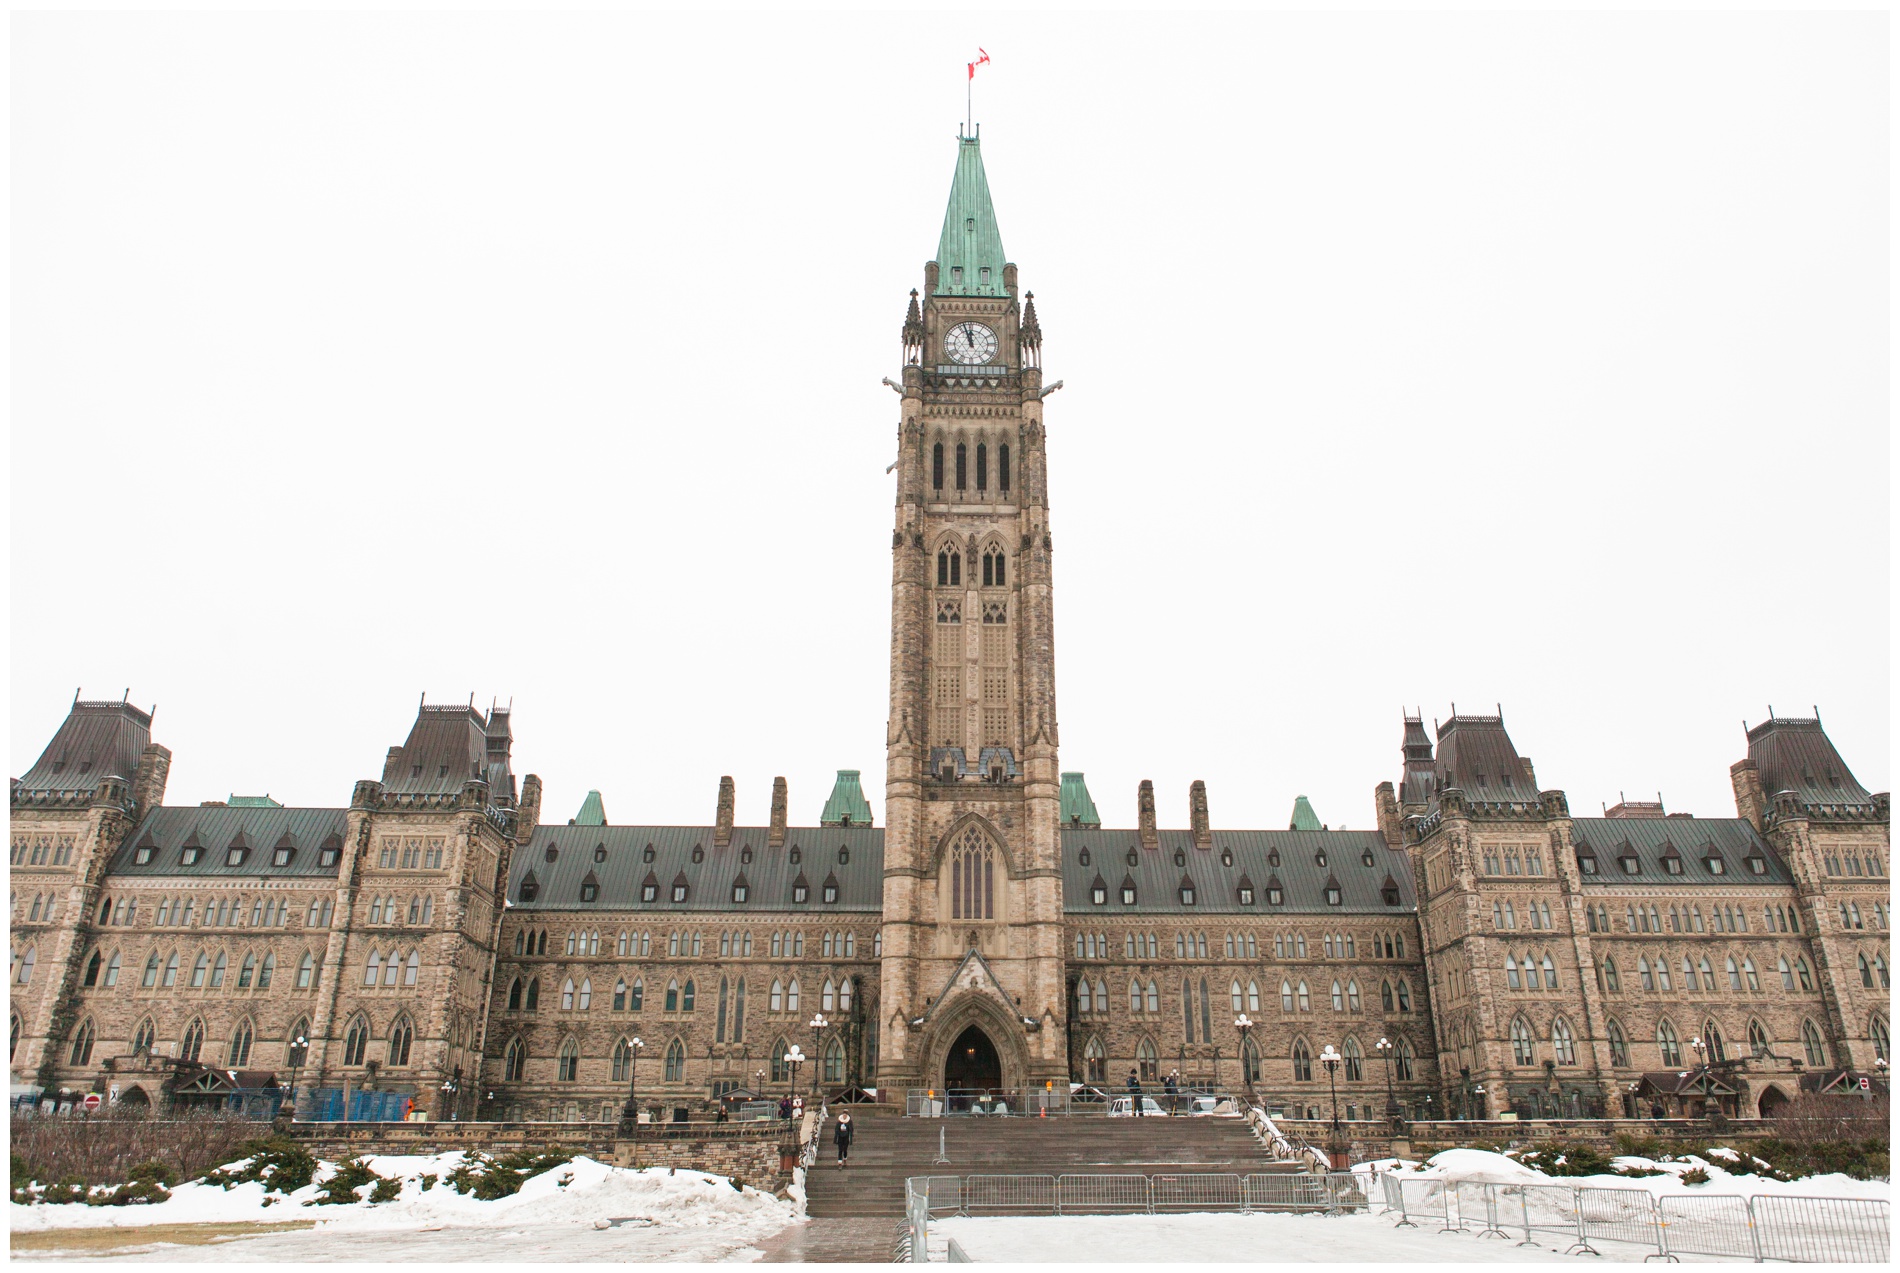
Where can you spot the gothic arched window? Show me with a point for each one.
(982, 467)
(936, 466)
(1562, 1042)
(569, 1063)
(675, 1062)
(1002, 467)
(963, 467)
(82, 1043)
(623, 1061)
(972, 876)
(1302, 1062)
(240, 1053)
(517, 1061)
(1619, 1045)
(401, 1035)
(1523, 1047)
(356, 1041)
(193, 1042)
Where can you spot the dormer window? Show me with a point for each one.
(1276, 896)
(699, 854)
(1366, 858)
(143, 854)
(794, 857)
(1332, 895)
(1587, 863)
(1757, 865)
(590, 890)
(646, 854)
(600, 853)
(280, 857)
(1227, 857)
(1672, 865)
(1180, 858)
(552, 853)
(679, 889)
(328, 855)
(529, 887)
(1631, 864)
(801, 892)
(1390, 893)
(1319, 859)
(1273, 857)
(745, 855)
(1187, 893)
(1246, 895)
(1128, 893)
(650, 891)
(831, 894)
(1083, 856)
(739, 891)
(1715, 864)
(1099, 894)
(191, 853)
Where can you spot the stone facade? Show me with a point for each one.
(1482, 952)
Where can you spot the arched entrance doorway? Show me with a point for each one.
(972, 1064)
(1772, 1099)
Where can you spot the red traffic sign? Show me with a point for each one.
(94, 1101)
(1865, 1084)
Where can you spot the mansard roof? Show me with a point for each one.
(1650, 840)
(768, 875)
(95, 741)
(1299, 873)
(1795, 754)
(448, 746)
(1078, 808)
(1477, 756)
(1419, 782)
(216, 828)
(847, 805)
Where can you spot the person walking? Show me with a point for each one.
(1173, 1088)
(1134, 1092)
(841, 1137)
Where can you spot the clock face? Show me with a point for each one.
(970, 343)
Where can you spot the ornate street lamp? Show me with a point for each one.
(1477, 1091)
(818, 1025)
(449, 1089)
(1384, 1047)
(1244, 1024)
(630, 1112)
(299, 1050)
(793, 1059)
(1330, 1058)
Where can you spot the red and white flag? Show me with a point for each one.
(982, 60)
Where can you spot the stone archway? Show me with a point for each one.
(1772, 1099)
(975, 1019)
(972, 1064)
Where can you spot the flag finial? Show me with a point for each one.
(982, 59)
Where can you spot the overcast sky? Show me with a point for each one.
(1532, 359)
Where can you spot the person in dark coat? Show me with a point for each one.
(1173, 1090)
(785, 1108)
(1134, 1092)
(841, 1137)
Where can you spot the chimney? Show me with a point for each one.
(1750, 802)
(1391, 827)
(722, 824)
(1530, 773)
(528, 811)
(1145, 806)
(148, 787)
(776, 839)
(1197, 815)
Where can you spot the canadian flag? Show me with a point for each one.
(982, 60)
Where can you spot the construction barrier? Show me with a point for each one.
(1835, 1230)
(1101, 1195)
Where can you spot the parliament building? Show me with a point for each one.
(439, 944)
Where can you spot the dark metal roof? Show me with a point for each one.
(1419, 783)
(96, 740)
(769, 876)
(1217, 888)
(1797, 755)
(1477, 756)
(216, 827)
(446, 747)
(1651, 839)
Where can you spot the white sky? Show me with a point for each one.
(1516, 357)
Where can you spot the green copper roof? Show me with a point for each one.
(970, 253)
(847, 806)
(253, 802)
(593, 812)
(1304, 819)
(1077, 809)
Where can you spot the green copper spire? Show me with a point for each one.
(1304, 819)
(1077, 809)
(970, 253)
(253, 802)
(593, 812)
(847, 806)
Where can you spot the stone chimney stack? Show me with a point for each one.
(1750, 800)
(1197, 815)
(722, 821)
(528, 811)
(148, 786)
(1145, 808)
(776, 839)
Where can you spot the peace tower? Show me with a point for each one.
(972, 979)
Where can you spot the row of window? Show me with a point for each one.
(1850, 915)
(1713, 862)
(1723, 918)
(1244, 893)
(1536, 914)
(1239, 946)
(1852, 863)
(206, 972)
(1394, 996)
(218, 912)
(43, 850)
(1699, 975)
(1513, 859)
(962, 460)
(783, 944)
(567, 1061)
(524, 995)
(411, 853)
(1529, 974)
(1300, 1060)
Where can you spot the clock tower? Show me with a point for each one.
(973, 992)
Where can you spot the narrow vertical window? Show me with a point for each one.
(982, 467)
(1002, 468)
(963, 466)
(956, 569)
(943, 569)
(936, 466)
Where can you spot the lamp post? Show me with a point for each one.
(818, 1024)
(630, 1112)
(1330, 1058)
(299, 1049)
(1477, 1090)
(1701, 1051)
(1384, 1047)
(1244, 1024)
(793, 1059)
(449, 1089)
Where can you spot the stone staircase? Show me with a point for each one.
(888, 1147)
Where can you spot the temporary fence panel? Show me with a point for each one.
(1548, 1215)
(1390, 1194)
(1707, 1224)
(1620, 1215)
(1348, 1191)
(1084, 1194)
(1833, 1230)
(957, 1255)
(943, 1194)
(1285, 1191)
(1476, 1202)
(1199, 1191)
(1425, 1201)
(917, 1213)
(1006, 1195)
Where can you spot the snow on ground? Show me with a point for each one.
(667, 1211)
(1215, 1239)
(1483, 1165)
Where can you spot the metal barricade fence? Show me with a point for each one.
(1347, 1192)
(1620, 1215)
(1393, 1195)
(1834, 1230)
(917, 1218)
(1549, 1211)
(1707, 1224)
(1086, 1194)
(1287, 1191)
(1424, 1200)
(1006, 1195)
(1476, 1203)
(1197, 1191)
(943, 1194)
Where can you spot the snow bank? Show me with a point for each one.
(1725, 1175)
(579, 1193)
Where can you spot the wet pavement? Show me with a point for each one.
(833, 1240)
